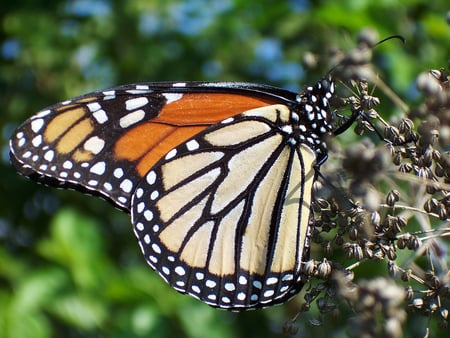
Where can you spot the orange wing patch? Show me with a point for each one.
(177, 122)
(207, 108)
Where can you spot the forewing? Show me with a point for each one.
(105, 142)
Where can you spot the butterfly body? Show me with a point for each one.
(217, 177)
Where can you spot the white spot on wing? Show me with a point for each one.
(156, 248)
(136, 103)
(257, 284)
(99, 168)
(43, 113)
(171, 154)
(100, 116)
(140, 207)
(118, 173)
(139, 192)
(192, 145)
(37, 141)
(49, 155)
(172, 97)
(131, 118)
(269, 293)
(138, 91)
(94, 144)
(154, 195)
(142, 87)
(148, 215)
(94, 106)
(151, 177)
(37, 124)
(271, 280)
(287, 277)
(241, 296)
(210, 283)
(229, 287)
(126, 185)
(228, 120)
(179, 270)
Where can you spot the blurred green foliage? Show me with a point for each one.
(69, 263)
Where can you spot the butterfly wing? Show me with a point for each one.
(103, 143)
(224, 216)
(217, 177)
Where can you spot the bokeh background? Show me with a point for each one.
(69, 263)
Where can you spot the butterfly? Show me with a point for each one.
(217, 177)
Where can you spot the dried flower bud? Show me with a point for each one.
(391, 254)
(358, 252)
(353, 232)
(397, 160)
(393, 269)
(432, 188)
(309, 267)
(339, 240)
(409, 292)
(392, 197)
(418, 303)
(290, 328)
(433, 307)
(415, 243)
(391, 133)
(406, 275)
(324, 269)
(368, 252)
(428, 156)
(439, 170)
(401, 242)
(375, 218)
(442, 212)
(405, 125)
(405, 168)
(327, 248)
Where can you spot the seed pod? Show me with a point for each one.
(324, 269)
(392, 197)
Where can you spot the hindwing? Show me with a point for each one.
(224, 216)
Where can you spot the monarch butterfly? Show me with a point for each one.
(217, 177)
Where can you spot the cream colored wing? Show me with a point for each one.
(224, 216)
